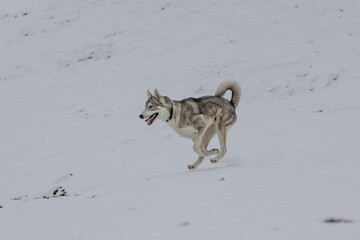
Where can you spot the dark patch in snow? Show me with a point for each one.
(128, 141)
(1, 206)
(85, 59)
(185, 224)
(58, 192)
(5, 16)
(333, 78)
(337, 220)
(19, 198)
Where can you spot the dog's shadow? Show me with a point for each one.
(234, 162)
(224, 163)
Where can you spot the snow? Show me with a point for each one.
(73, 80)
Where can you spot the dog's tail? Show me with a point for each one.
(235, 89)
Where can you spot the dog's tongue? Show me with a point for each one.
(150, 120)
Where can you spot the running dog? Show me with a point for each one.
(197, 118)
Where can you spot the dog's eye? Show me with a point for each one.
(151, 106)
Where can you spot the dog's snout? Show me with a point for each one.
(141, 116)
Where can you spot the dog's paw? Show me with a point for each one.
(213, 160)
(191, 167)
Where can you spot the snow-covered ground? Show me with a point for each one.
(76, 162)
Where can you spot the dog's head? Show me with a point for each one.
(156, 106)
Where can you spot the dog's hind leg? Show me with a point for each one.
(198, 148)
(221, 132)
(210, 132)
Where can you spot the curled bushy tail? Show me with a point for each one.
(235, 89)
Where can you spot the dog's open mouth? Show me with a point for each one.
(151, 119)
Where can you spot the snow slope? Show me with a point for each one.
(73, 80)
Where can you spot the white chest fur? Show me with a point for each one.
(187, 132)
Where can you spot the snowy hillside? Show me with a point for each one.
(76, 162)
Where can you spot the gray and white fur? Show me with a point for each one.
(197, 118)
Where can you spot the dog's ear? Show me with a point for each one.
(149, 94)
(162, 100)
(157, 94)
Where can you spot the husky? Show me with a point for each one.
(197, 118)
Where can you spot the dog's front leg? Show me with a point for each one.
(196, 164)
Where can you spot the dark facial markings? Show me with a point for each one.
(153, 103)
